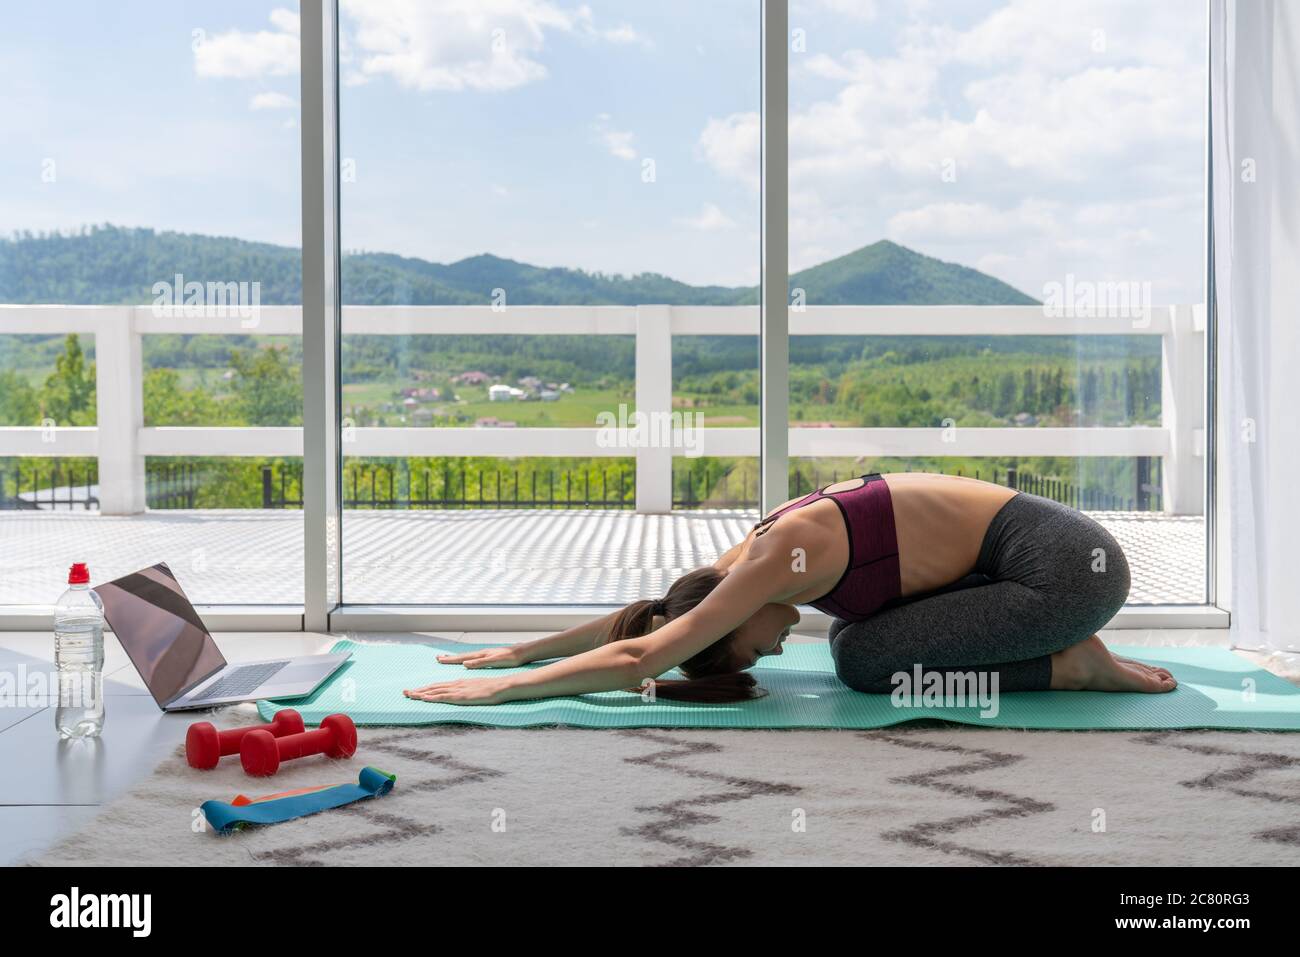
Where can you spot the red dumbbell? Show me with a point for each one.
(205, 745)
(261, 752)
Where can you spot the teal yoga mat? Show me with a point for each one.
(1217, 689)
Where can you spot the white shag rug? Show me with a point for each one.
(911, 795)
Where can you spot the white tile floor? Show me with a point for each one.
(470, 557)
(49, 787)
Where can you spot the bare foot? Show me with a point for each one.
(1141, 664)
(1088, 666)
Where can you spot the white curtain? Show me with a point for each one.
(1255, 150)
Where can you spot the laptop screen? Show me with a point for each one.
(160, 630)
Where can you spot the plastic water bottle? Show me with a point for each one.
(79, 657)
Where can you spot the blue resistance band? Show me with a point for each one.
(225, 818)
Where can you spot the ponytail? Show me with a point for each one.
(714, 689)
(633, 621)
(711, 677)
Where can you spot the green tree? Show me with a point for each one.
(1029, 390)
(19, 404)
(69, 393)
(268, 387)
(166, 403)
(1006, 402)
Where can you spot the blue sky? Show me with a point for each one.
(1028, 138)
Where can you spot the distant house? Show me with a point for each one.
(548, 395)
(531, 382)
(1025, 418)
(505, 393)
(421, 395)
(472, 378)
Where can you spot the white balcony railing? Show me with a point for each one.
(121, 440)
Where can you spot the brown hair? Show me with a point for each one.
(711, 674)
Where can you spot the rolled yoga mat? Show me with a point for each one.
(1217, 689)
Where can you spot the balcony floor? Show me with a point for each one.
(469, 557)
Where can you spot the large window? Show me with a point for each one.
(150, 357)
(1035, 169)
(550, 236)
(538, 251)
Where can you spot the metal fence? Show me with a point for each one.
(59, 486)
(397, 487)
(1146, 495)
(384, 486)
(54, 486)
(171, 485)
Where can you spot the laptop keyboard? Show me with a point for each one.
(242, 681)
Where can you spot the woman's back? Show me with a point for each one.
(939, 522)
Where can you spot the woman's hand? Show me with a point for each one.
(508, 657)
(465, 691)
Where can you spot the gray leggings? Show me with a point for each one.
(1047, 577)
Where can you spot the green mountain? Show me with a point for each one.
(116, 265)
(112, 265)
(866, 380)
(886, 273)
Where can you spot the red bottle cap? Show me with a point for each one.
(79, 574)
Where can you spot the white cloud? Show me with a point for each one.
(1075, 131)
(443, 45)
(239, 55)
(617, 142)
(272, 101)
(627, 35)
(486, 45)
(960, 222)
(863, 10)
(731, 146)
(449, 45)
(710, 218)
(1071, 35)
(287, 20)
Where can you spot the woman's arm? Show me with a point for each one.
(749, 586)
(606, 668)
(571, 641)
(728, 558)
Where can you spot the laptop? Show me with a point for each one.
(177, 658)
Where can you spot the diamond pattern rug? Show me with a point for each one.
(920, 794)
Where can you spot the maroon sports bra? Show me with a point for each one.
(871, 577)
